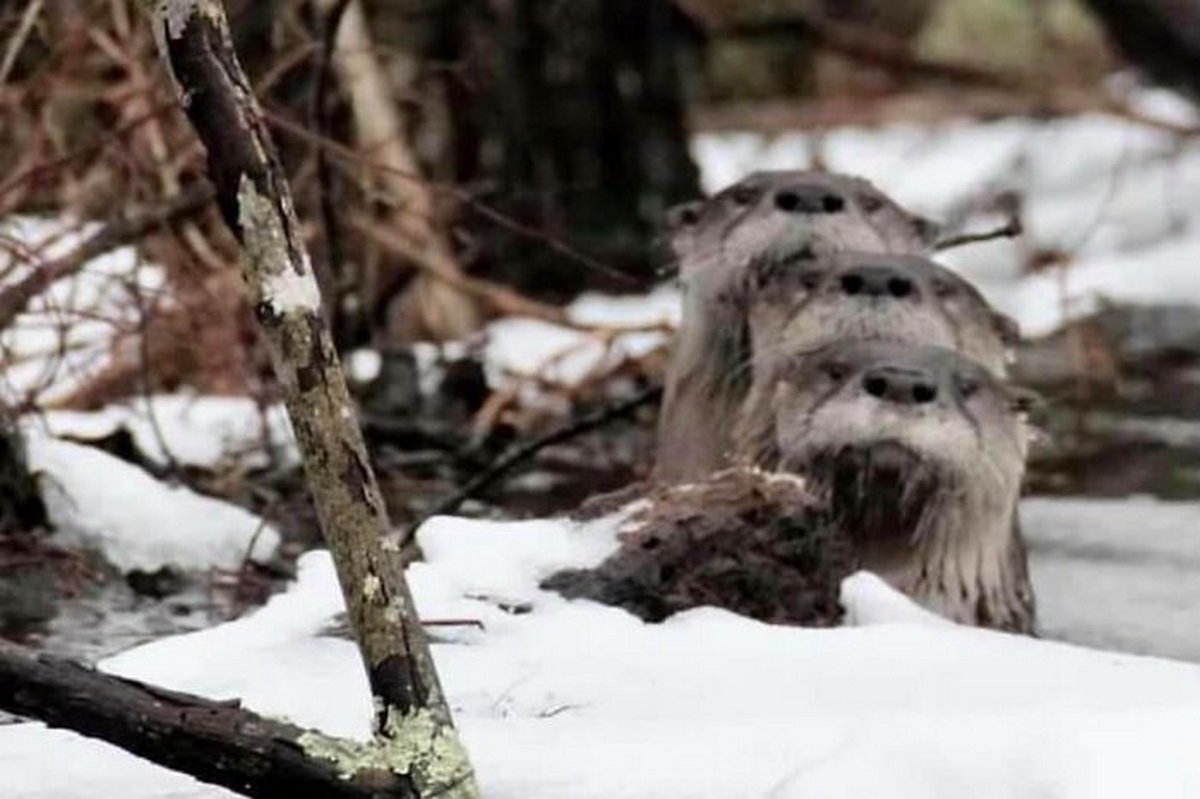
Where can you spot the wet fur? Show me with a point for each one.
(929, 493)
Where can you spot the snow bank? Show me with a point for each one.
(137, 522)
(197, 430)
(574, 699)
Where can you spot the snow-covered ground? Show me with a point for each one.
(189, 430)
(579, 700)
(575, 699)
(100, 502)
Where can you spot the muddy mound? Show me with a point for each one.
(751, 542)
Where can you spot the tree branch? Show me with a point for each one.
(522, 452)
(216, 742)
(16, 298)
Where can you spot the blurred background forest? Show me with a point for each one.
(482, 182)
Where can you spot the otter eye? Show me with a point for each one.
(743, 195)
(835, 370)
(870, 203)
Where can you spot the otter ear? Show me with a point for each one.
(927, 230)
(1007, 328)
(683, 215)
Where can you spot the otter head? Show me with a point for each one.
(920, 454)
(767, 217)
(775, 213)
(806, 303)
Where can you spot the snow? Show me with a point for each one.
(191, 430)
(137, 522)
(67, 332)
(37, 762)
(287, 291)
(868, 600)
(521, 348)
(574, 699)
(1120, 197)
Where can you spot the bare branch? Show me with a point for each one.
(523, 452)
(15, 298)
(1009, 230)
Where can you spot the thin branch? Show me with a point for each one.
(502, 299)
(118, 233)
(527, 450)
(327, 24)
(1009, 230)
(500, 219)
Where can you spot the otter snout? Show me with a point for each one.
(808, 199)
(877, 281)
(901, 385)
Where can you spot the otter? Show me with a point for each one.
(806, 305)
(768, 217)
(796, 305)
(920, 454)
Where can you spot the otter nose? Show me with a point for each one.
(901, 386)
(876, 281)
(808, 200)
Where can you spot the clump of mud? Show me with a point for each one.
(748, 541)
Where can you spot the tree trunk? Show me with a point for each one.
(567, 118)
(194, 41)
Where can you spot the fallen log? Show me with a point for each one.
(216, 742)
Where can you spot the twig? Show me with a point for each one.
(285, 125)
(527, 450)
(502, 299)
(1009, 230)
